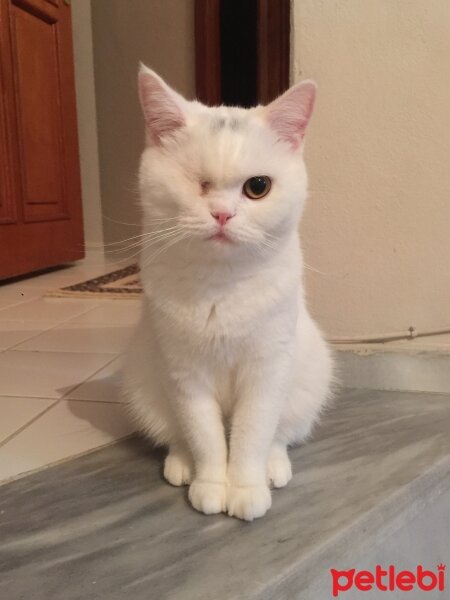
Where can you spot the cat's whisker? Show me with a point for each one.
(127, 257)
(129, 246)
(313, 269)
(117, 243)
(124, 249)
(173, 227)
(165, 247)
(162, 238)
(121, 222)
(141, 239)
(138, 239)
(268, 242)
(156, 219)
(255, 240)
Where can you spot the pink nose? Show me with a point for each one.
(222, 217)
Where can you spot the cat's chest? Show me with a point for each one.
(218, 320)
(222, 319)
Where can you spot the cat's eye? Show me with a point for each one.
(257, 187)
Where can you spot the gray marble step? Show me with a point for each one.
(399, 368)
(105, 526)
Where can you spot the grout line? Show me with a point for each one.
(56, 350)
(78, 385)
(74, 316)
(24, 302)
(14, 346)
(55, 326)
(28, 423)
(27, 397)
(75, 386)
(31, 398)
(41, 297)
(21, 301)
(14, 303)
(57, 401)
(94, 401)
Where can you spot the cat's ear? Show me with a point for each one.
(164, 110)
(289, 114)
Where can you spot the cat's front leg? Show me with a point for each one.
(178, 466)
(201, 423)
(261, 391)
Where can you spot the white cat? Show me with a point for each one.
(226, 366)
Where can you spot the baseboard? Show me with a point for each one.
(419, 371)
(94, 253)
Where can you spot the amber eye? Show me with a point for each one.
(257, 187)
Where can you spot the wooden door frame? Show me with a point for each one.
(273, 35)
(207, 51)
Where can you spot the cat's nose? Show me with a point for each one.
(222, 217)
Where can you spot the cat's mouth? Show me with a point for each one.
(221, 237)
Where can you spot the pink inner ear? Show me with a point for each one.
(161, 111)
(289, 115)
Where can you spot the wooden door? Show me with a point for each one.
(40, 193)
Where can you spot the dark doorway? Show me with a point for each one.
(242, 50)
(238, 52)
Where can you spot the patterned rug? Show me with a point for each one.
(123, 283)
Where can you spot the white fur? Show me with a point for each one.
(226, 366)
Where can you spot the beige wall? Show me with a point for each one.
(378, 221)
(161, 34)
(87, 123)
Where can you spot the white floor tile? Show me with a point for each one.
(74, 273)
(119, 312)
(47, 309)
(14, 332)
(104, 386)
(80, 337)
(71, 276)
(6, 303)
(14, 294)
(17, 293)
(46, 374)
(67, 429)
(15, 412)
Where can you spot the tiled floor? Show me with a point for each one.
(59, 394)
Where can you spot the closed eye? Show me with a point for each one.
(204, 187)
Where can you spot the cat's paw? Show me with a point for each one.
(248, 502)
(279, 471)
(209, 498)
(177, 469)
